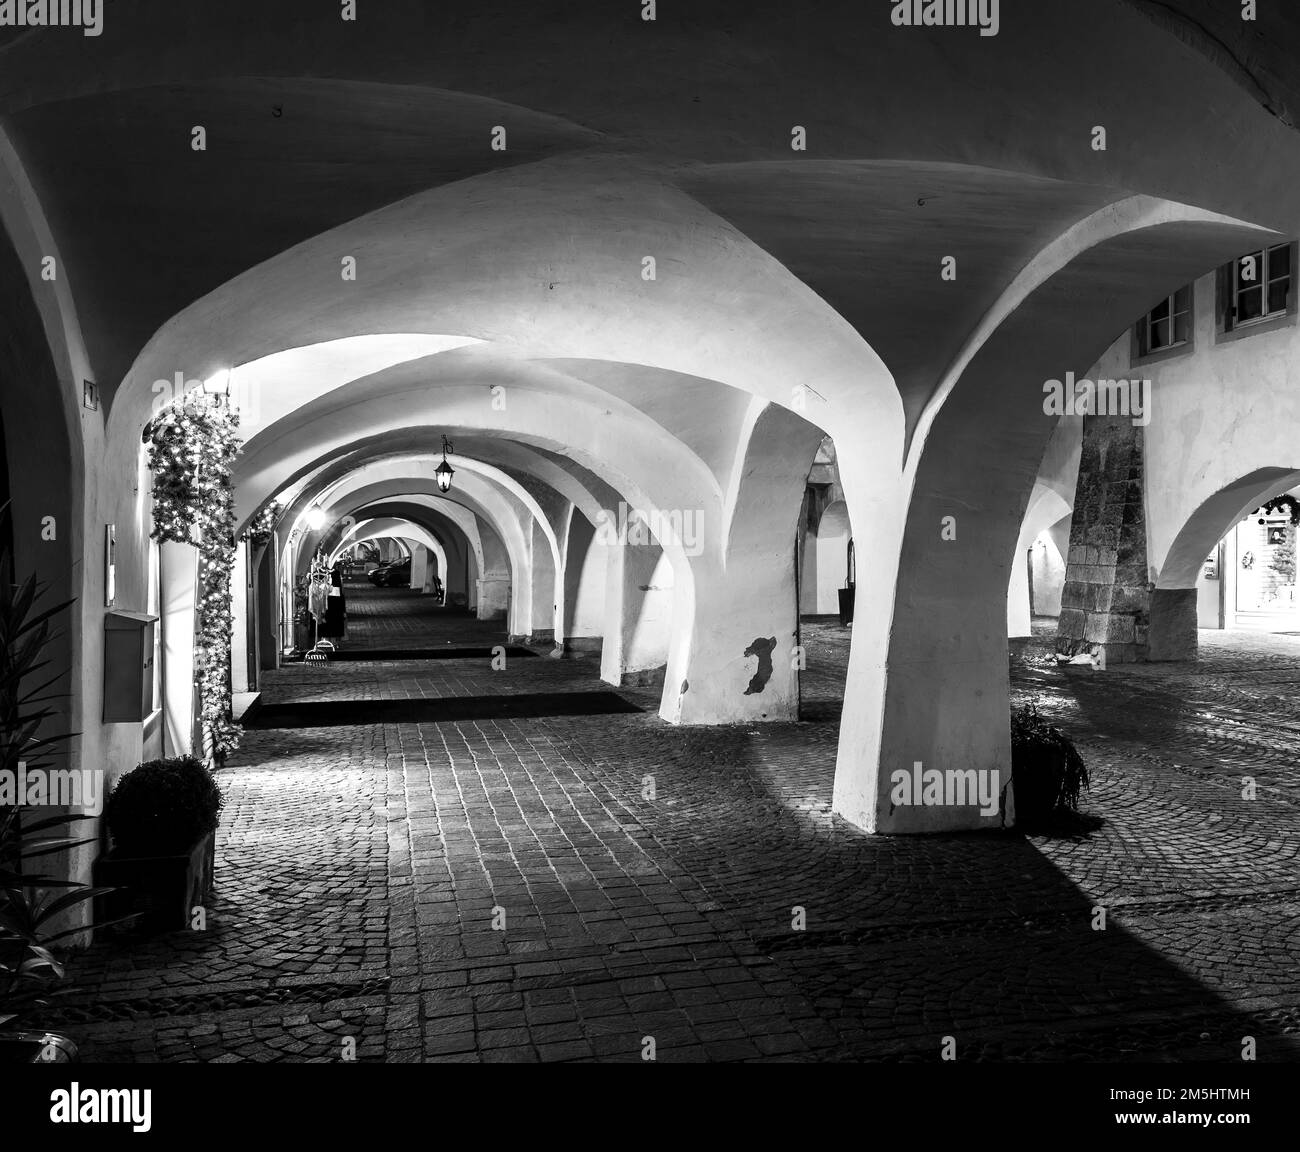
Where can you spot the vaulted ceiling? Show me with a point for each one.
(373, 139)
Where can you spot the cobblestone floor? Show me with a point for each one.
(366, 871)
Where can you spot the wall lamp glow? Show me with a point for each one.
(315, 518)
(217, 388)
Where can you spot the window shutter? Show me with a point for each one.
(1223, 298)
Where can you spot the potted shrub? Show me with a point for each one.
(1046, 769)
(32, 906)
(162, 817)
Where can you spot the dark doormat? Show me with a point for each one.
(417, 654)
(335, 713)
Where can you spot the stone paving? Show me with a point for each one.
(569, 887)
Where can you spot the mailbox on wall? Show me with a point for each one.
(128, 667)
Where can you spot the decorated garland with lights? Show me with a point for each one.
(1287, 504)
(192, 449)
(262, 525)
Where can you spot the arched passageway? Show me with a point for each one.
(1174, 602)
(615, 385)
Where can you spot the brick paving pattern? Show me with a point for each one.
(559, 887)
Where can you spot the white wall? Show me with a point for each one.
(1049, 573)
(831, 545)
(652, 627)
(1209, 605)
(589, 601)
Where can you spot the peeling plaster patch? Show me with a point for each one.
(762, 649)
(685, 686)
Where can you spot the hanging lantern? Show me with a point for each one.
(444, 472)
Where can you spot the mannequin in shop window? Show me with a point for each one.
(333, 625)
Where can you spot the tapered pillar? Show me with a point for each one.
(1106, 604)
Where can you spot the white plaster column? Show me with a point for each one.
(543, 587)
(743, 664)
(638, 614)
(178, 580)
(419, 566)
(493, 595)
(740, 662)
(241, 595)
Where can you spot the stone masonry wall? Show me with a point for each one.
(1107, 599)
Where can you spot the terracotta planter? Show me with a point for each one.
(1037, 771)
(160, 891)
(846, 604)
(36, 1048)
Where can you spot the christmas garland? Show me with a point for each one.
(192, 450)
(1285, 503)
(262, 525)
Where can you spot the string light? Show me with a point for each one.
(192, 450)
(262, 526)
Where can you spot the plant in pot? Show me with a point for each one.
(1046, 769)
(35, 908)
(162, 817)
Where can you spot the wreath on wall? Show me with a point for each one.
(192, 450)
(1285, 503)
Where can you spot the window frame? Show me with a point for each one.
(1141, 351)
(1228, 327)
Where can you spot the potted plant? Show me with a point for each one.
(1046, 769)
(34, 907)
(162, 817)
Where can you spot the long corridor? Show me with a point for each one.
(432, 858)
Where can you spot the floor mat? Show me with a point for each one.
(417, 654)
(335, 713)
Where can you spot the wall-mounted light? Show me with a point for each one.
(315, 518)
(217, 388)
(444, 472)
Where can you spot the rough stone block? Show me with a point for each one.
(1070, 624)
(1129, 599)
(1120, 629)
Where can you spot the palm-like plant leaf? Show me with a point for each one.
(31, 904)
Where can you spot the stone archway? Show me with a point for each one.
(1173, 629)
